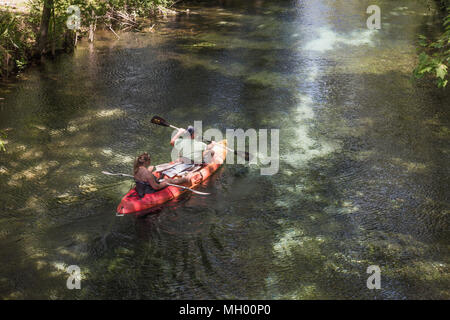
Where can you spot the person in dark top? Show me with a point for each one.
(146, 182)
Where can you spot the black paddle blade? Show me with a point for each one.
(159, 121)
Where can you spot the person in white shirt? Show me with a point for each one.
(191, 150)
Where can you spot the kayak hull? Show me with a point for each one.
(131, 203)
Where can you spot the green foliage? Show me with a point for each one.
(18, 32)
(141, 7)
(58, 22)
(435, 57)
(95, 11)
(2, 143)
(16, 41)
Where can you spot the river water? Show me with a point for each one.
(363, 175)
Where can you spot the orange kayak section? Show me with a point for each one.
(131, 203)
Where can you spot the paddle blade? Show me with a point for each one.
(202, 193)
(160, 121)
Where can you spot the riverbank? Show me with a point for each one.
(31, 29)
(434, 58)
(29, 32)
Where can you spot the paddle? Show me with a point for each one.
(117, 174)
(161, 122)
(170, 184)
(158, 168)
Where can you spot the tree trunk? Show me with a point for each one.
(92, 27)
(43, 29)
(5, 55)
(54, 32)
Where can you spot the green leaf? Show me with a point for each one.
(423, 58)
(423, 43)
(437, 44)
(424, 70)
(441, 71)
(447, 20)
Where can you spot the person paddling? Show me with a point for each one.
(191, 150)
(146, 182)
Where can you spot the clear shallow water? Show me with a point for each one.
(363, 173)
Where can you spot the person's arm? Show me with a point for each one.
(151, 180)
(177, 135)
(211, 145)
(180, 180)
(166, 180)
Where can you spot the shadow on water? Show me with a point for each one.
(362, 178)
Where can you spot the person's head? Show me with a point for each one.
(142, 160)
(190, 129)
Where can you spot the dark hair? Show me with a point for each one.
(190, 129)
(140, 161)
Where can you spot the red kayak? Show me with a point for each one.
(131, 203)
